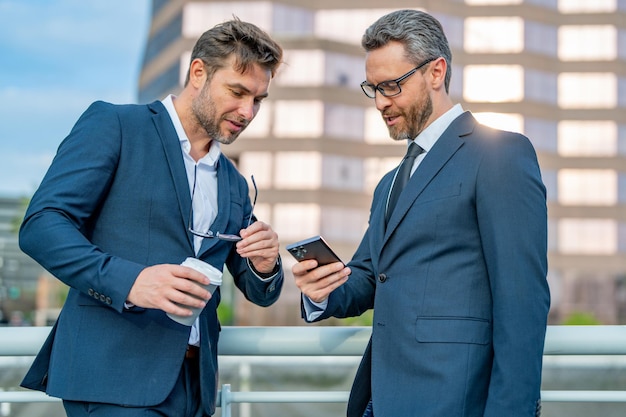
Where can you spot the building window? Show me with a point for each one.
(542, 133)
(491, 2)
(259, 164)
(375, 130)
(597, 187)
(316, 67)
(587, 6)
(303, 68)
(272, 17)
(541, 86)
(540, 38)
(296, 221)
(376, 168)
(587, 90)
(331, 24)
(342, 172)
(199, 16)
(494, 35)
(587, 236)
(298, 170)
(344, 122)
(493, 83)
(587, 43)
(343, 224)
(259, 128)
(509, 122)
(298, 119)
(587, 138)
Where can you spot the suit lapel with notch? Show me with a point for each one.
(174, 158)
(438, 156)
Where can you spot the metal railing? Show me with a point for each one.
(333, 341)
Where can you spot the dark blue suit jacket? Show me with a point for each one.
(457, 281)
(115, 200)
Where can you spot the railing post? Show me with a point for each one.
(225, 398)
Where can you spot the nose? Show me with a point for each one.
(248, 109)
(381, 101)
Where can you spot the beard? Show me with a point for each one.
(204, 110)
(415, 118)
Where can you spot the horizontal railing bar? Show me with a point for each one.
(26, 397)
(259, 397)
(336, 341)
(583, 396)
(329, 396)
(297, 342)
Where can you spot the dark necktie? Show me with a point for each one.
(402, 177)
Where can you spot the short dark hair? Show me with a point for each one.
(421, 34)
(247, 42)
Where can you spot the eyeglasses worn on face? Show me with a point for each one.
(218, 235)
(390, 88)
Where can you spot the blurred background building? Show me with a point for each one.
(551, 69)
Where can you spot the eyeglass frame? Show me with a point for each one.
(397, 82)
(219, 235)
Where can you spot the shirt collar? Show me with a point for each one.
(427, 138)
(212, 157)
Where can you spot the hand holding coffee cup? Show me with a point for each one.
(215, 277)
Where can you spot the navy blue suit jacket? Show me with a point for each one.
(115, 200)
(457, 281)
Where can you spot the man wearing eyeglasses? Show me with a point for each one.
(454, 263)
(133, 191)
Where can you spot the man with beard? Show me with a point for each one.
(456, 272)
(133, 191)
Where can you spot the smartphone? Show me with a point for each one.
(313, 248)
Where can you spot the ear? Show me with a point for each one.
(197, 73)
(438, 70)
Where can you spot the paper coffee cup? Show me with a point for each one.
(214, 275)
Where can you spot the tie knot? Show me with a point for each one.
(414, 150)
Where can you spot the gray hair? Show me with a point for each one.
(421, 34)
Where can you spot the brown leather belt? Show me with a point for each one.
(193, 352)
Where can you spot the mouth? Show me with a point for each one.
(236, 126)
(390, 120)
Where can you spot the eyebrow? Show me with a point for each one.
(244, 88)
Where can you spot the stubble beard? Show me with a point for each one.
(205, 112)
(415, 119)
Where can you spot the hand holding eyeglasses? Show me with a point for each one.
(260, 245)
(257, 242)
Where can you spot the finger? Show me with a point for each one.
(190, 274)
(187, 300)
(185, 289)
(303, 267)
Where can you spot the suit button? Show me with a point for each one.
(382, 278)
(102, 298)
(90, 292)
(108, 301)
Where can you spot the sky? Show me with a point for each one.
(56, 58)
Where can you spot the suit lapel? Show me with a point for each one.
(223, 204)
(174, 159)
(438, 156)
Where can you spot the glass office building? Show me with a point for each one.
(551, 69)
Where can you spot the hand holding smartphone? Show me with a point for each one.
(313, 248)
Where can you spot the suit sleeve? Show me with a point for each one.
(512, 216)
(56, 225)
(356, 295)
(262, 291)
